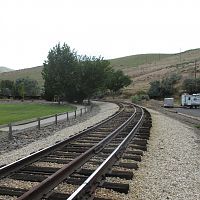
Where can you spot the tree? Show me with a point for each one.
(116, 80)
(58, 72)
(26, 87)
(92, 75)
(191, 86)
(7, 88)
(163, 88)
(154, 90)
(72, 77)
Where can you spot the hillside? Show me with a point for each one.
(150, 70)
(5, 69)
(33, 73)
(141, 68)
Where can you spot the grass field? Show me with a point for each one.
(25, 111)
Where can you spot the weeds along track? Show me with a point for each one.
(83, 164)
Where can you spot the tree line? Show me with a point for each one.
(74, 77)
(21, 88)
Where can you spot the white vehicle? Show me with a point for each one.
(168, 102)
(190, 100)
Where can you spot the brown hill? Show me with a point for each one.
(144, 73)
(33, 73)
(141, 68)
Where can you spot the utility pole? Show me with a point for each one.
(195, 75)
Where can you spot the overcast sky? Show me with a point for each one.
(110, 28)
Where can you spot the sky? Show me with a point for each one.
(110, 28)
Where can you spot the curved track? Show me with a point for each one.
(74, 168)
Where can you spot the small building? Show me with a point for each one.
(168, 102)
(188, 100)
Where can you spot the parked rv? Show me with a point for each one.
(190, 101)
(168, 102)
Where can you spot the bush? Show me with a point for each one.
(163, 88)
(136, 98)
(190, 86)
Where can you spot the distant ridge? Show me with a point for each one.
(5, 69)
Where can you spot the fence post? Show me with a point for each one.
(39, 123)
(56, 119)
(81, 112)
(67, 116)
(10, 136)
(75, 114)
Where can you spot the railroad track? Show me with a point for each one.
(81, 165)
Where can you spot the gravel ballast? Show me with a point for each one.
(170, 169)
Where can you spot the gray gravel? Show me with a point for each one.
(170, 169)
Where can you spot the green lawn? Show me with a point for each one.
(25, 111)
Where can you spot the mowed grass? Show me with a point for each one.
(26, 111)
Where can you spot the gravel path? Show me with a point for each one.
(106, 109)
(170, 169)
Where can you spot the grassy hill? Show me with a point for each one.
(136, 60)
(142, 68)
(5, 69)
(33, 73)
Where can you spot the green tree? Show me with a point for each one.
(72, 77)
(7, 88)
(26, 87)
(163, 88)
(92, 75)
(116, 80)
(58, 72)
(191, 86)
(154, 90)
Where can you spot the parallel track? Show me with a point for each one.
(82, 161)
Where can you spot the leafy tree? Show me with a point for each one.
(58, 72)
(7, 88)
(116, 80)
(72, 77)
(21, 90)
(191, 86)
(154, 90)
(163, 88)
(92, 75)
(26, 87)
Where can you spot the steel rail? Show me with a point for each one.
(10, 168)
(43, 188)
(86, 189)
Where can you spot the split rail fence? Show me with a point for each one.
(43, 121)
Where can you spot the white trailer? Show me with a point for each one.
(191, 101)
(168, 102)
